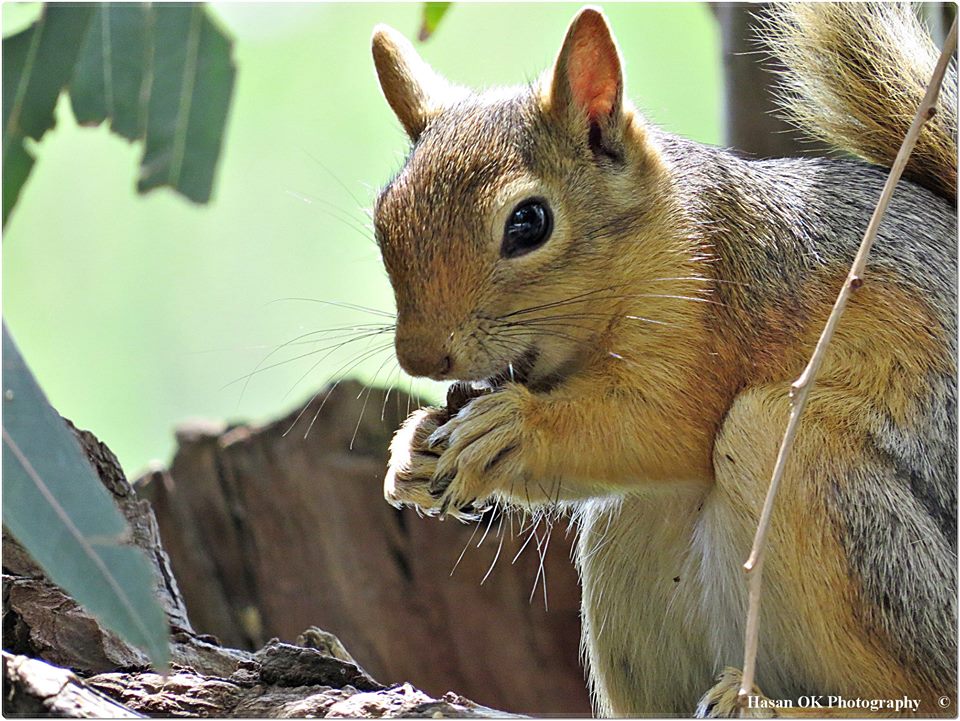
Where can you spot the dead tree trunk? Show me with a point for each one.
(270, 533)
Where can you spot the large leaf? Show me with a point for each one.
(37, 63)
(189, 97)
(112, 73)
(161, 73)
(57, 508)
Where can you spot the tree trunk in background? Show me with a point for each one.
(751, 122)
(938, 17)
(269, 532)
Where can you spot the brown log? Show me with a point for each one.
(244, 695)
(52, 646)
(35, 688)
(269, 532)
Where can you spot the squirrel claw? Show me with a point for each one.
(439, 485)
(436, 440)
(466, 511)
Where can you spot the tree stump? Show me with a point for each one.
(270, 532)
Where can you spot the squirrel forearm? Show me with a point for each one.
(532, 448)
(610, 441)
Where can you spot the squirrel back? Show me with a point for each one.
(855, 76)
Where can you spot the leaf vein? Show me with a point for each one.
(107, 58)
(13, 122)
(186, 94)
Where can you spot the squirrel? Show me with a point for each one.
(635, 306)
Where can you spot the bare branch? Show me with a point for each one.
(802, 386)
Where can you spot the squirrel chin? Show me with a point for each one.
(520, 370)
(524, 371)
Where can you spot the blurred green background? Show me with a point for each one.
(135, 312)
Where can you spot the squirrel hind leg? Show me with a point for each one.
(722, 700)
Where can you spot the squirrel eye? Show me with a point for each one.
(528, 227)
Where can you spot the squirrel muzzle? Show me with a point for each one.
(422, 354)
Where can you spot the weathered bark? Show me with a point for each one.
(279, 681)
(270, 532)
(58, 660)
(42, 621)
(35, 688)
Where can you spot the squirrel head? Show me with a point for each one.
(500, 234)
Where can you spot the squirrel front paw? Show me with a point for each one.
(412, 463)
(480, 451)
(447, 461)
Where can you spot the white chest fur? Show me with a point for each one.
(664, 598)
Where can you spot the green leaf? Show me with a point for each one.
(17, 163)
(57, 508)
(37, 62)
(161, 73)
(432, 15)
(111, 74)
(192, 82)
(88, 94)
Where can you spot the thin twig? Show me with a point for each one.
(800, 389)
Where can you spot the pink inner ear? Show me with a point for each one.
(594, 75)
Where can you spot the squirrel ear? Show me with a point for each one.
(588, 77)
(411, 87)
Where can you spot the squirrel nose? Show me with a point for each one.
(418, 359)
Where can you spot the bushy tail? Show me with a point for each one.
(855, 75)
